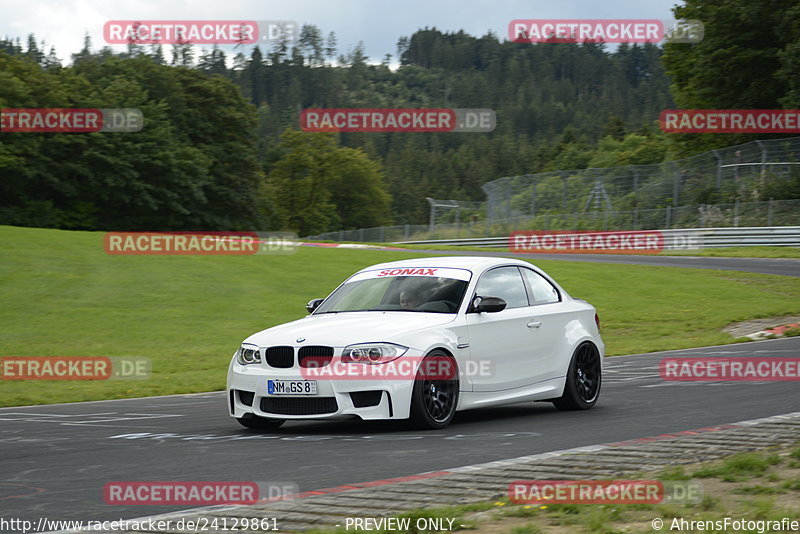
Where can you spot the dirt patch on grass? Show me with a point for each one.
(756, 325)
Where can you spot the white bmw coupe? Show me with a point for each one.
(422, 339)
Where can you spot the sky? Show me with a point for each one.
(378, 23)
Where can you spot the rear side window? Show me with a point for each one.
(506, 283)
(542, 291)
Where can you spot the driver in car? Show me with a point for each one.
(410, 299)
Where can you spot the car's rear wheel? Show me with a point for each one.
(435, 396)
(259, 423)
(584, 378)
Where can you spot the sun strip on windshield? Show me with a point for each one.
(432, 272)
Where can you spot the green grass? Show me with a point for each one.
(736, 467)
(63, 296)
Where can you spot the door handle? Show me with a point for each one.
(534, 324)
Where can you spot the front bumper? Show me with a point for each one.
(333, 396)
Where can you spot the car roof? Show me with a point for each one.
(473, 263)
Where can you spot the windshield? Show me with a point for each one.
(430, 294)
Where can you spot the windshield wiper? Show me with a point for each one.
(338, 311)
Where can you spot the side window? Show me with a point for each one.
(542, 290)
(506, 283)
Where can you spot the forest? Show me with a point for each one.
(222, 149)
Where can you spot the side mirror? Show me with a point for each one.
(488, 304)
(313, 305)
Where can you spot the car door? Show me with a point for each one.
(501, 342)
(550, 318)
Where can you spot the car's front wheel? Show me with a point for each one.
(435, 396)
(259, 423)
(584, 377)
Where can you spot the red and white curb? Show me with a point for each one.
(771, 333)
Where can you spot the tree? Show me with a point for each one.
(192, 167)
(330, 47)
(318, 186)
(310, 44)
(300, 180)
(157, 54)
(746, 60)
(358, 190)
(33, 52)
(86, 51)
(182, 53)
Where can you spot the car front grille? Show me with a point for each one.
(280, 357)
(299, 405)
(315, 356)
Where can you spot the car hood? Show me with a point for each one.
(342, 329)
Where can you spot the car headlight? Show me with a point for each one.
(373, 352)
(248, 354)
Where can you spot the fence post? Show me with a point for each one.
(719, 170)
(676, 185)
(341, 236)
(763, 156)
(736, 213)
(770, 211)
(406, 232)
(635, 218)
(383, 234)
(669, 217)
(489, 213)
(433, 213)
(533, 195)
(361, 234)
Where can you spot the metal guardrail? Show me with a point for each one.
(674, 239)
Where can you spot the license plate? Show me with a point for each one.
(292, 387)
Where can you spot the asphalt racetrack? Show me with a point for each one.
(779, 266)
(57, 458)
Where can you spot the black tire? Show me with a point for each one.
(434, 400)
(259, 423)
(584, 378)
